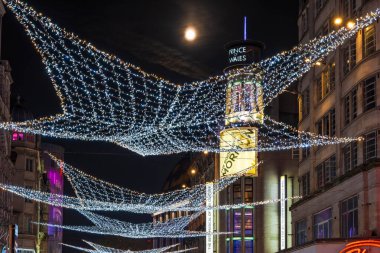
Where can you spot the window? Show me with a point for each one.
(369, 40)
(29, 164)
(349, 217)
(237, 193)
(305, 153)
(326, 171)
(237, 246)
(248, 220)
(327, 125)
(323, 224)
(301, 232)
(248, 246)
(349, 8)
(319, 4)
(304, 104)
(349, 56)
(305, 184)
(25, 251)
(350, 156)
(248, 190)
(326, 82)
(370, 146)
(350, 106)
(28, 226)
(304, 21)
(237, 222)
(370, 93)
(17, 136)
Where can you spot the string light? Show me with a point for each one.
(97, 195)
(102, 249)
(106, 99)
(173, 228)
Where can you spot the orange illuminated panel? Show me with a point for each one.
(361, 246)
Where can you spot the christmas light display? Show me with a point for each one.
(102, 249)
(173, 228)
(106, 99)
(98, 195)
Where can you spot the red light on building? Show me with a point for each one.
(360, 246)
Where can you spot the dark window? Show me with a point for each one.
(248, 190)
(326, 171)
(305, 184)
(370, 146)
(350, 106)
(319, 4)
(349, 217)
(29, 166)
(350, 156)
(349, 8)
(305, 153)
(323, 224)
(301, 232)
(304, 104)
(349, 55)
(369, 93)
(237, 193)
(327, 125)
(369, 40)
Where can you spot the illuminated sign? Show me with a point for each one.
(362, 246)
(282, 212)
(209, 218)
(237, 161)
(237, 55)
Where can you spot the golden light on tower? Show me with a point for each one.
(338, 21)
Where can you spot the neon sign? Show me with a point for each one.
(361, 246)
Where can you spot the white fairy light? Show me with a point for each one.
(106, 99)
(174, 228)
(94, 194)
(102, 249)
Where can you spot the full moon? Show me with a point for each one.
(190, 34)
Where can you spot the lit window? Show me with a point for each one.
(248, 220)
(349, 217)
(17, 136)
(369, 40)
(237, 222)
(248, 246)
(326, 82)
(323, 224)
(237, 246)
(248, 190)
(237, 193)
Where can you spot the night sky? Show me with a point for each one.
(149, 34)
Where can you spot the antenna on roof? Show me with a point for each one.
(245, 27)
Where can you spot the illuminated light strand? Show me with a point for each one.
(174, 228)
(103, 98)
(102, 249)
(97, 195)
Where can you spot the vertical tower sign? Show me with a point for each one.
(209, 218)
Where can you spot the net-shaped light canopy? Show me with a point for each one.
(97, 195)
(96, 248)
(106, 99)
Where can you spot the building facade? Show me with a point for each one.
(6, 166)
(193, 169)
(34, 169)
(339, 97)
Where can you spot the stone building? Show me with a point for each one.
(339, 97)
(34, 169)
(6, 166)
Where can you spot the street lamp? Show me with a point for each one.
(350, 24)
(193, 172)
(338, 21)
